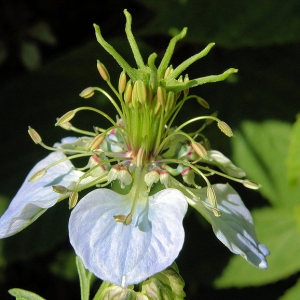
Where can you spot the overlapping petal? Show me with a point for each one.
(234, 228)
(34, 198)
(127, 254)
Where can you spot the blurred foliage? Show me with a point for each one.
(260, 38)
(262, 150)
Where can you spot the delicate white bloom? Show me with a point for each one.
(127, 254)
(234, 228)
(34, 198)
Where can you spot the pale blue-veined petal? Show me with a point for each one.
(234, 228)
(127, 254)
(34, 198)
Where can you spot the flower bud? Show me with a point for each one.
(164, 178)
(168, 71)
(87, 92)
(225, 128)
(188, 176)
(34, 135)
(113, 174)
(65, 118)
(124, 177)
(151, 177)
(103, 71)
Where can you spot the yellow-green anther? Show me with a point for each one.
(66, 118)
(170, 101)
(199, 149)
(211, 196)
(103, 71)
(87, 93)
(96, 141)
(37, 175)
(128, 92)
(140, 157)
(225, 128)
(161, 95)
(122, 82)
(202, 102)
(66, 126)
(73, 199)
(186, 80)
(168, 71)
(34, 135)
(134, 97)
(60, 189)
(126, 220)
(250, 184)
(141, 90)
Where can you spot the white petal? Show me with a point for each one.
(225, 164)
(33, 198)
(234, 228)
(127, 254)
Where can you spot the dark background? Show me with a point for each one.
(48, 55)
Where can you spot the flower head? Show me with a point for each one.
(145, 170)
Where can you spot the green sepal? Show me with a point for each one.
(20, 294)
(165, 285)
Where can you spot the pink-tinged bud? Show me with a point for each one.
(73, 199)
(124, 177)
(37, 175)
(122, 82)
(225, 128)
(199, 149)
(87, 93)
(164, 178)
(188, 176)
(96, 141)
(250, 184)
(103, 71)
(65, 118)
(60, 189)
(151, 177)
(113, 174)
(34, 135)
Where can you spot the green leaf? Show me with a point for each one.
(292, 293)
(229, 24)
(278, 231)
(261, 150)
(293, 158)
(20, 294)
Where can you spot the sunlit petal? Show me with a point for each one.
(234, 228)
(127, 254)
(33, 198)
